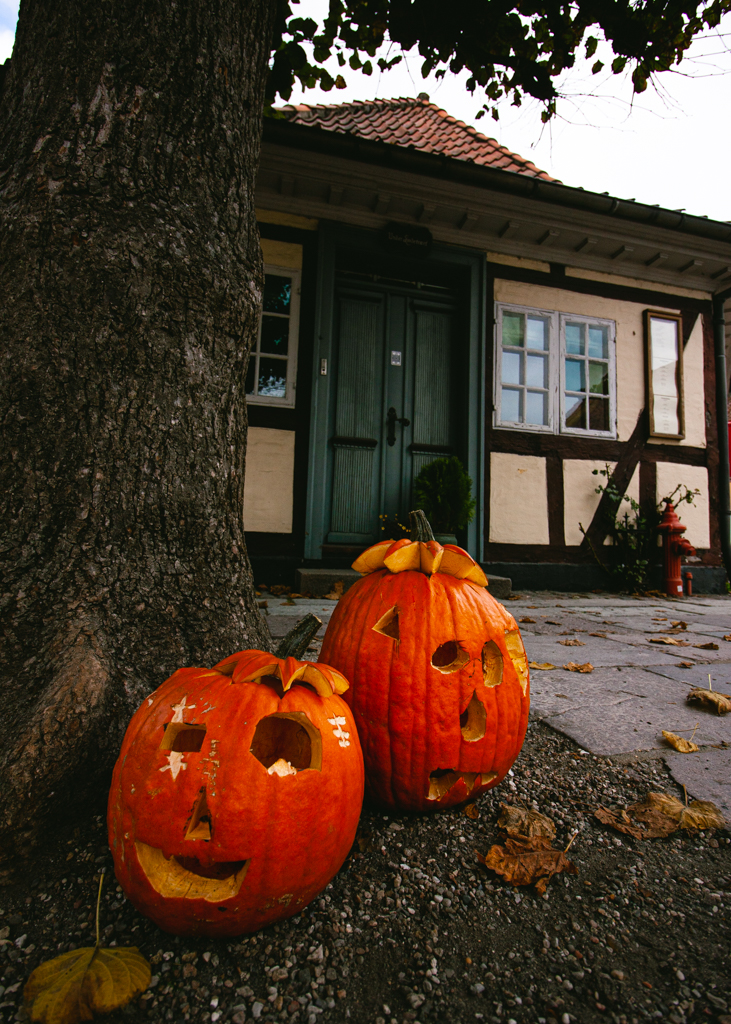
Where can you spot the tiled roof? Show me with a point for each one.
(413, 123)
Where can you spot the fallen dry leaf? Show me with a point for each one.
(685, 664)
(572, 666)
(526, 618)
(472, 811)
(707, 647)
(669, 641)
(541, 666)
(720, 701)
(602, 635)
(572, 643)
(76, 985)
(727, 637)
(621, 821)
(550, 622)
(527, 860)
(678, 743)
(336, 593)
(521, 821)
(679, 624)
(698, 813)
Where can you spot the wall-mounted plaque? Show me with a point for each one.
(407, 239)
(664, 373)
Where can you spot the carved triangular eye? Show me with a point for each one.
(388, 624)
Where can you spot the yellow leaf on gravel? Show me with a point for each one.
(572, 666)
(521, 821)
(541, 666)
(678, 743)
(78, 984)
(698, 813)
(471, 811)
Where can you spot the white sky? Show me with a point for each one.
(671, 146)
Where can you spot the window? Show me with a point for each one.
(555, 372)
(664, 373)
(270, 379)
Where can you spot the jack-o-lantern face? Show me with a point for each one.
(438, 672)
(236, 795)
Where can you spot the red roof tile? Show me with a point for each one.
(413, 123)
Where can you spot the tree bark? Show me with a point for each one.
(130, 285)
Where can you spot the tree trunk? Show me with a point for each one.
(130, 284)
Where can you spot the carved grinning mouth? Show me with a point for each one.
(444, 779)
(186, 878)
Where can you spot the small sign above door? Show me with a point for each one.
(395, 358)
(407, 238)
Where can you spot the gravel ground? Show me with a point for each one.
(413, 929)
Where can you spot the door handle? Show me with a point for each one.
(391, 420)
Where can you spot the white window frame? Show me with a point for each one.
(552, 317)
(612, 361)
(556, 370)
(288, 401)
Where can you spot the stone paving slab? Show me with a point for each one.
(706, 776)
(610, 712)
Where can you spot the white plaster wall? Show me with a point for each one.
(518, 499)
(695, 517)
(580, 498)
(630, 350)
(269, 483)
(281, 254)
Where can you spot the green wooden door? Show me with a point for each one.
(394, 409)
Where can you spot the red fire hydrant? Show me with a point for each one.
(674, 545)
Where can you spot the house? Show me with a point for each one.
(429, 292)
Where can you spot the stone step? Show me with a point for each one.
(322, 581)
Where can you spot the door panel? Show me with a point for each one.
(393, 352)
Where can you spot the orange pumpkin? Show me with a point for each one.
(236, 795)
(438, 673)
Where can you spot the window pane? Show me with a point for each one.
(536, 371)
(251, 375)
(273, 377)
(575, 339)
(598, 341)
(510, 406)
(536, 333)
(536, 410)
(599, 378)
(274, 335)
(575, 415)
(512, 369)
(575, 375)
(513, 329)
(277, 293)
(599, 413)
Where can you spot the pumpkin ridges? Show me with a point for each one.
(401, 747)
(299, 863)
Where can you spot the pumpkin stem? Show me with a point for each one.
(299, 638)
(420, 528)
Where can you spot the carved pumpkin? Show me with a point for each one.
(438, 673)
(236, 795)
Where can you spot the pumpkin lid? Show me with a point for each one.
(420, 554)
(248, 666)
